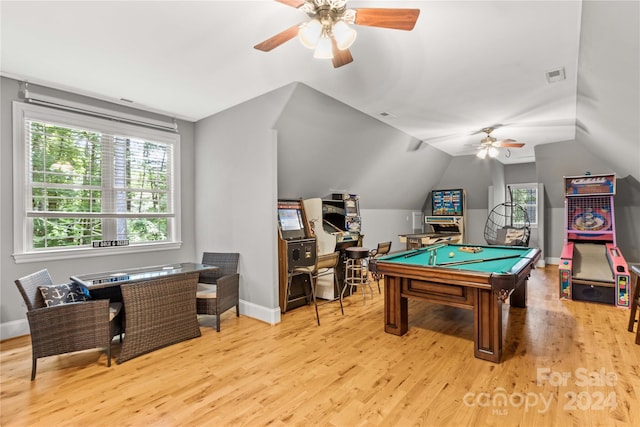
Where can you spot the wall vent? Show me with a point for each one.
(556, 75)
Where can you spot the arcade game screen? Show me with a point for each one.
(447, 202)
(290, 222)
(290, 219)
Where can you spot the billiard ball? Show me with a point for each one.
(451, 254)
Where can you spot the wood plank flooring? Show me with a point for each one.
(566, 363)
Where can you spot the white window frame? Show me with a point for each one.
(22, 251)
(529, 186)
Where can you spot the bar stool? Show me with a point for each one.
(382, 249)
(356, 272)
(326, 265)
(635, 300)
(308, 295)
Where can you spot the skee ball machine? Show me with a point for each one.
(592, 267)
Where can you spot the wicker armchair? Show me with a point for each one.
(68, 327)
(218, 291)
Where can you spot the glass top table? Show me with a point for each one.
(159, 303)
(138, 274)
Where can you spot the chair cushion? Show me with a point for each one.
(327, 261)
(114, 309)
(64, 293)
(206, 290)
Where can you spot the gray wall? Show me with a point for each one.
(12, 309)
(236, 183)
(522, 173)
(384, 225)
(325, 146)
(608, 102)
(475, 176)
(627, 208)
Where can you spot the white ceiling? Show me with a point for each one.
(465, 66)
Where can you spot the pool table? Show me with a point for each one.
(475, 277)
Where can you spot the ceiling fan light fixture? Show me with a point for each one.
(344, 35)
(323, 50)
(493, 152)
(482, 153)
(310, 33)
(328, 31)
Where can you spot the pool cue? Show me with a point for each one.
(472, 261)
(426, 249)
(390, 257)
(415, 252)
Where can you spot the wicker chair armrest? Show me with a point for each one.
(90, 313)
(228, 285)
(209, 277)
(69, 327)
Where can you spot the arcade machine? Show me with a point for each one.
(446, 220)
(341, 217)
(592, 267)
(296, 248)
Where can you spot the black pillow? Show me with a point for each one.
(63, 294)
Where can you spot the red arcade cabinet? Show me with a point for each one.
(592, 267)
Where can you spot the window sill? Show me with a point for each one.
(66, 254)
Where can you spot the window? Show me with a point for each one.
(526, 195)
(82, 179)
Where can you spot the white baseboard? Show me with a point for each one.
(14, 328)
(18, 328)
(269, 315)
(554, 261)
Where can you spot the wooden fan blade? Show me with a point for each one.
(292, 3)
(340, 57)
(508, 143)
(278, 39)
(415, 145)
(396, 19)
(493, 127)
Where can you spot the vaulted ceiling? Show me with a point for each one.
(466, 65)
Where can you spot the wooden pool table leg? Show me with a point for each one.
(487, 325)
(396, 313)
(518, 297)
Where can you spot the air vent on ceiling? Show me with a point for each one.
(556, 75)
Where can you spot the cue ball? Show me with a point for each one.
(451, 254)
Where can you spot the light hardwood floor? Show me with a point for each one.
(566, 363)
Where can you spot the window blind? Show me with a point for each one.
(88, 183)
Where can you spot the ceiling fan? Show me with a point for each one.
(328, 31)
(489, 145)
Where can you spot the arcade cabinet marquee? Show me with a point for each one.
(592, 267)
